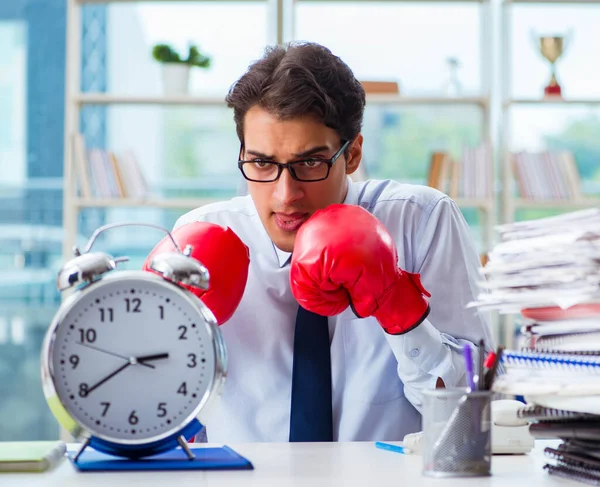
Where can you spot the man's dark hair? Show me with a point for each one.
(298, 79)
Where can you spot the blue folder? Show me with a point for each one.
(207, 458)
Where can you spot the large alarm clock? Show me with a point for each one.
(132, 358)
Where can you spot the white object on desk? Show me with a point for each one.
(510, 434)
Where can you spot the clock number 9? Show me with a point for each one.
(74, 359)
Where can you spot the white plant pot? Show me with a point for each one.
(176, 78)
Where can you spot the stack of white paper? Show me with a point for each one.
(548, 271)
(546, 262)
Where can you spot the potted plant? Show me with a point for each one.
(176, 70)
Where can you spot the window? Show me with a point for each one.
(31, 149)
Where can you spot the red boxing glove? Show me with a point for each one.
(344, 256)
(225, 256)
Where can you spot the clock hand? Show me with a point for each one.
(108, 377)
(156, 356)
(98, 349)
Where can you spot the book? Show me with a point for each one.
(30, 456)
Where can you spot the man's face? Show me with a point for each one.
(285, 204)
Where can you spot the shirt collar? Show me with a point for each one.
(351, 199)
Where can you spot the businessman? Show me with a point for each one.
(356, 292)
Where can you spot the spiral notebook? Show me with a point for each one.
(535, 412)
(553, 380)
(574, 362)
(577, 343)
(574, 466)
(563, 327)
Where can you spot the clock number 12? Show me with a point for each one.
(133, 305)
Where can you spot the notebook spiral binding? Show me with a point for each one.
(573, 466)
(537, 412)
(571, 473)
(575, 460)
(551, 351)
(536, 360)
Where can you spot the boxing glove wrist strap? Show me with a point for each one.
(404, 306)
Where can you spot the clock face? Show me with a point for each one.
(133, 358)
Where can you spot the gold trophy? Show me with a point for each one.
(552, 47)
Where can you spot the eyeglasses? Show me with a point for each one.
(306, 170)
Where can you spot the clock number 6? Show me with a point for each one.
(133, 419)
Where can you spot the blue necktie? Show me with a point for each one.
(310, 415)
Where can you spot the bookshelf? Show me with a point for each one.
(509, 202)
(281, 13)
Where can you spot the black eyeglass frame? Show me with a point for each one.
(290, 166)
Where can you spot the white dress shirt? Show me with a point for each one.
(377, 378)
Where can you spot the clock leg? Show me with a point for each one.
(183, 442)
(84, 445)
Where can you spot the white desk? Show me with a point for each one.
(310, 465)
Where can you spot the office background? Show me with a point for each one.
(86, 67)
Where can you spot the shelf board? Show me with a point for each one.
(400, 1)
(384, 99)
(566, 2)
(151, 1)
(152, 202)
(556, 203)
(391, 99)
(109, 99)
(558, 101)
(302, 1)
(481, 203)
(485, 204)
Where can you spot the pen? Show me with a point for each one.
(469, 366)
(387, 446)
(491, 374)
(481, 381)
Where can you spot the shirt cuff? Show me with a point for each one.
(427, 350)
(422, 345)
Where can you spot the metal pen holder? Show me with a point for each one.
(457, 433)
